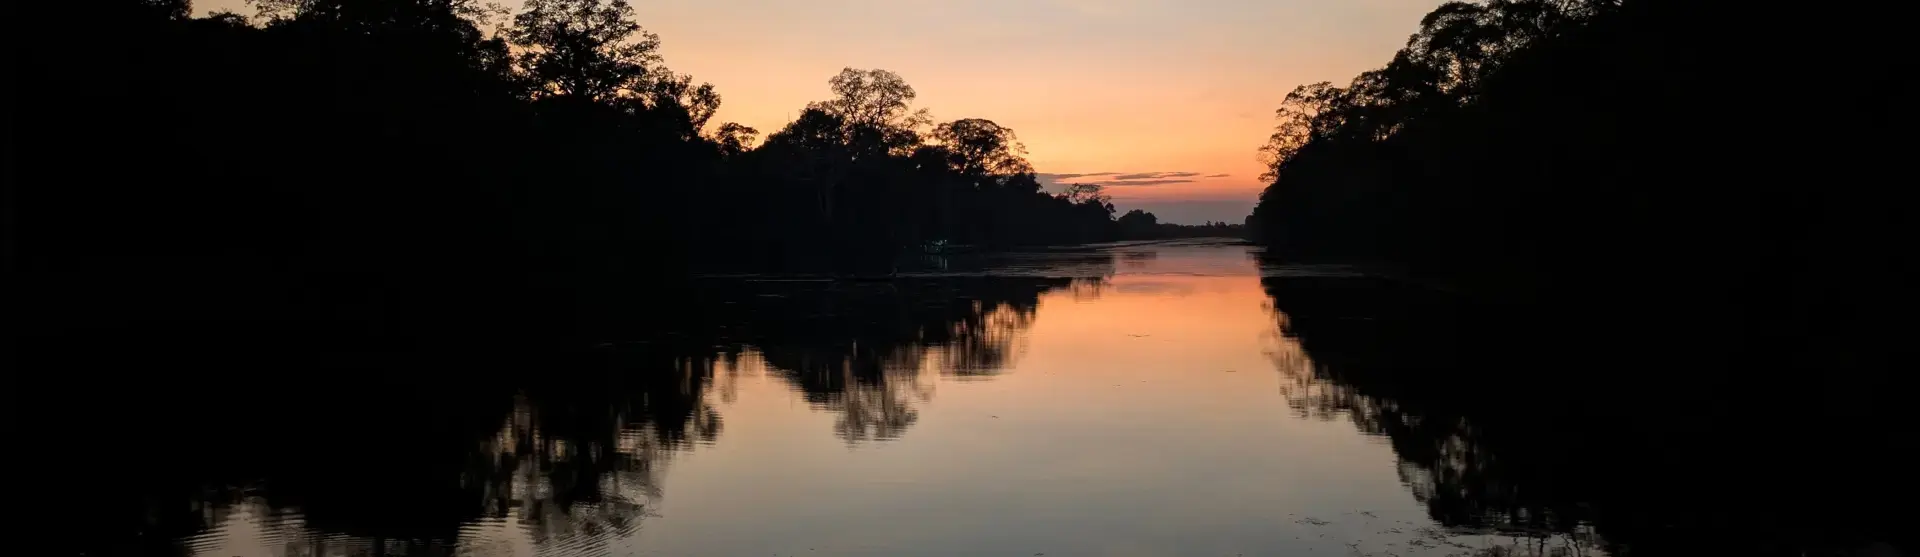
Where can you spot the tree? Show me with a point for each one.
(374, 15)
(815, 129)
(700, 102)
(1021, 183)
(584, 48)
(875, 107)
(675, 96)
(1081, 194)
(176, 10)
(1139, 218)
(1138, 225)
(1456, 39)
(982, 149)
(734, 139)
(1308, 111)
(877, 98)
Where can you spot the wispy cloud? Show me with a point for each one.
(1219, 176)
(1054, 176)
(1155, 175)
(1122, 180)
(1133, 183)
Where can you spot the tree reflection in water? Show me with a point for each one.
(437, 452)
(867, 351)
(572, 462)
(1553, 428)
(1442, 461)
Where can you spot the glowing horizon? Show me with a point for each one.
(1090, 86)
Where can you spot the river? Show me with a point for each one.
(1119, 400)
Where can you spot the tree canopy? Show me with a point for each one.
(442, 147)
(589, 48)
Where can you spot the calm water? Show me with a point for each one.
(1131, 400)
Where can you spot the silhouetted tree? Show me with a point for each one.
(1087, 193)
(1138, 224)
(734, 139)
(166, 9)
(981, 148)
(590, 48)
(875, 110)
(1585, 167)
(401, 157)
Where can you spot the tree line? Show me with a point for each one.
(1611, 160)
(1142, 225)
(1547, 146)
(1611, 227)
(362, 151)
(439, 438)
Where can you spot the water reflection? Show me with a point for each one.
(539, 481)
(1110, 402)
(866, 350)
(563, 480)
(1584, 433)
(502, 452)
(571, 462)
(1442, 459)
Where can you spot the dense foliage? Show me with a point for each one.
(341, 153)
(1622, 165)
(1642, 217)
(369, 129)
(1560, 144)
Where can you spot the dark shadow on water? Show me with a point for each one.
(861, 349)
(170, 438)
(1614, 429)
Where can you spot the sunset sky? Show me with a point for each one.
(1174, 96)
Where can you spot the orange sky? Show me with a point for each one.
(1091, 86)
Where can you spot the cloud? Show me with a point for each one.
(1051, 181)
(1130, 183)
(1155, 175)
(1053, 176)
(1218, 176)
(1120, 180)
